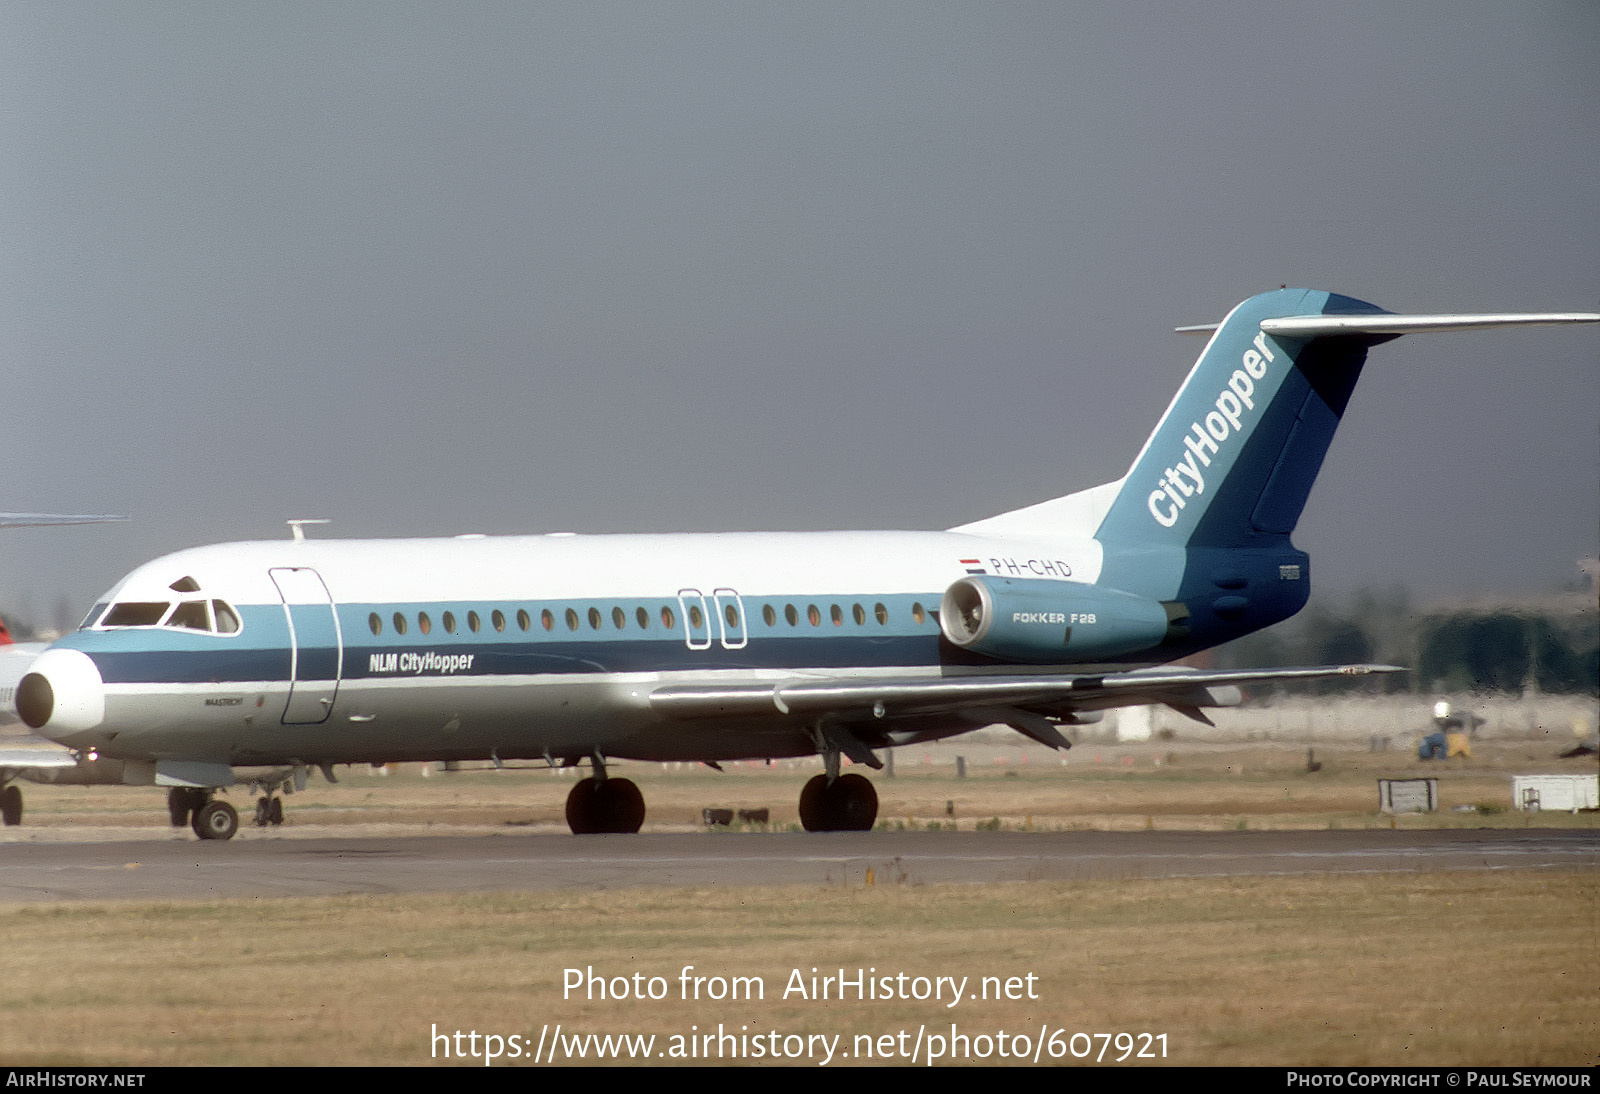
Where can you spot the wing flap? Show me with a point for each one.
(1180, 687)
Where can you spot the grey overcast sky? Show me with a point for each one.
(505, 267)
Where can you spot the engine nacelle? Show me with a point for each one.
(1048, 622)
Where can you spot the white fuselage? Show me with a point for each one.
(522, 646)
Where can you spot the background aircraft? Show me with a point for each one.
(33, 758)
(710, 647)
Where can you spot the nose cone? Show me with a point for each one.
(62, 694)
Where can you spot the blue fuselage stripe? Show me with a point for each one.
(261, 651)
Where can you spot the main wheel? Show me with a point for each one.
(615, 805)
(622, 806)
(850, 804)
(814, 805)
(11, 805)
(180, 804)
(855, 803)
(582, 811)
(215, 820)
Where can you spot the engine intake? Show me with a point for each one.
(1048, 622)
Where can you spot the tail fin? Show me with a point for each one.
(1232, 461)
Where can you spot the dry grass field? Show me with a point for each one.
(1433, 969)
(1416, 969)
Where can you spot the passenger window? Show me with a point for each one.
(881, 614)
(813, 615)
(836, 615)
(859, 613)
(449, 622)
(572, 620)
(228, 619)
(768, 616)
(473, 622)
(498, 618)
(619, 618)
(695, 617)
(594, 619)
(524, 620)
(916, 612)
(375, 621)
(731, 614)
(399, 623)
(424, 624)
(547, 620)
(791, 615)
(643, 616)
(669, 618)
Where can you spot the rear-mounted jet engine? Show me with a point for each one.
(1045, 622)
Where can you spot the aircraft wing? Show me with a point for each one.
(1021, 701)
(36, 520)
(26, 760)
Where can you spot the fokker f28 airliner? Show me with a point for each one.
(715, 647)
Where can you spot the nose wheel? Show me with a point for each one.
(11, 805)
(216, 819)
(183, 802)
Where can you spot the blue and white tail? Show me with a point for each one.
(1233, 459)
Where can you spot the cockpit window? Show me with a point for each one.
(213, 616)
(227, 618)
(191, 615)
(134, 614)
(185, 585)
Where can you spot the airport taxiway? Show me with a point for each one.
(336, 861)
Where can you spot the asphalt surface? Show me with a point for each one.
(315, 864)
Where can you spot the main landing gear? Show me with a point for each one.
(832, 802)
(848, 803)
(600, 804)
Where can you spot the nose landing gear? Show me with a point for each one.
(216, 819)
(207, 817)
(269, 810)
(11, 805)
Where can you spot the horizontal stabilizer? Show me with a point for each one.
(1314, 326)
